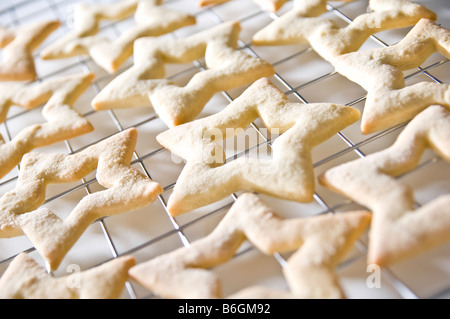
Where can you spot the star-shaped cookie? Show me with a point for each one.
(126, 189)
(399, 230)
(63, 121)
(151, 19)
(289, 174)
(389, 101)
(18, 47)
(144, 85)
(319, 244)
(303, 24)
(26, 279)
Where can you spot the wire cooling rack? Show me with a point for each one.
(304, 77)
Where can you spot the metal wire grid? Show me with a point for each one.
(181, 227)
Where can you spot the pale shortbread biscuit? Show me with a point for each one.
(271, 5)
(143, 84)
(319, 244)
(303, 24)
(151, 19)
(289, 174)
(62, 120)
(18, 47)
(389, 101)
(126, 189)
(26, 279)
(399, 230)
